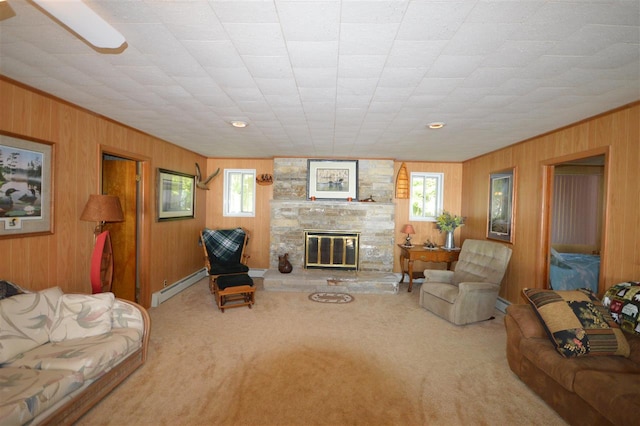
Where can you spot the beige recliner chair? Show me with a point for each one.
(469, 293)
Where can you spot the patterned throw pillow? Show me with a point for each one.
(8, 289)
(82, 315)
(577, 323)
(623, 301)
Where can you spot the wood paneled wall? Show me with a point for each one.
(616, 133)
(79, 137)
(452, 202)
(258, 226)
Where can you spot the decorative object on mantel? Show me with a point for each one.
(284, 266)
(368, 200)
(408, 229)
(204, 184)
(402, 182)
(264, 179)
(448, 223)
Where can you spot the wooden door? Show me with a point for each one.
(119, 177)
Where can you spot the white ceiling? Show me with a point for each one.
(338, 78)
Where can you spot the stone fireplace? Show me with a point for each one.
(292, 213)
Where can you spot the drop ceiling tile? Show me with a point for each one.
(376, 12)
(414, 54)
(317, 94)
(268, 66)
(437, 86)
(401, 77)
(199, 85)
(220, 54)
(478, 39)
(517, 53)
(209, 32)
(313, 54)
(154, 39)
(277, 86)
(367, 39)
(245, 11)
(231, 77)
(151, 74)
(361, 66)
(126, 11)
(443, 18)
(257, 39)
(309, 21)
(491, 11)
(315, 77)
(447, 66)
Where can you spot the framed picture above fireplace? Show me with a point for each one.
(332, 179)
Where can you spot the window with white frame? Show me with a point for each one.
(239, 192)
(426, 196)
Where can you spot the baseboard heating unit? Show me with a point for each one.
(168, 292)
(501, 304)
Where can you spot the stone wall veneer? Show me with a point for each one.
(292, 213)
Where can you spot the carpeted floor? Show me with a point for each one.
(379, 360)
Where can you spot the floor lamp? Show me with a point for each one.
(102, 209)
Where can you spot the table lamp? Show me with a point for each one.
(408, 229)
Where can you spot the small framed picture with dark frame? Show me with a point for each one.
(26, 186)
(501, 205)
(332, 179)
(176, 195)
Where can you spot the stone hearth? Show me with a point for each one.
(313, 280)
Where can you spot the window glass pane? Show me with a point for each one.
(426, 196)
(239, 192)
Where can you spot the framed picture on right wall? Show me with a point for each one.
(501, 205)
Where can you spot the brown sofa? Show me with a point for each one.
(588, 390)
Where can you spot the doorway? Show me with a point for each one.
(121, 177)
(574, 228)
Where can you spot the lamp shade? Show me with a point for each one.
(408, 229)
(102, 208)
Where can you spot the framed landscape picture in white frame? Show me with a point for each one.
(332, 179)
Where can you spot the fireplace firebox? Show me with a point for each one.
(331, 249)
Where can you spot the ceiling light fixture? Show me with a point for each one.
(83, 21)
(239, 124)
(435, 125)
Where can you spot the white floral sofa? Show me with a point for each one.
(60, 354)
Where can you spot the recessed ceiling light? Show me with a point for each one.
(239, 124)
(436, 125)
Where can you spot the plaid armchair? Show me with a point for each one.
(224, 253)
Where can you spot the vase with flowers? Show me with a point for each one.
(448, 223)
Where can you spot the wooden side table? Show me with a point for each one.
(410, 254)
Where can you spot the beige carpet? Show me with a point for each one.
(378, 360)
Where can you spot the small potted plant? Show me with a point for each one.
(448, 223)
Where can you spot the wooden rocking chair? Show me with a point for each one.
(226, 262)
